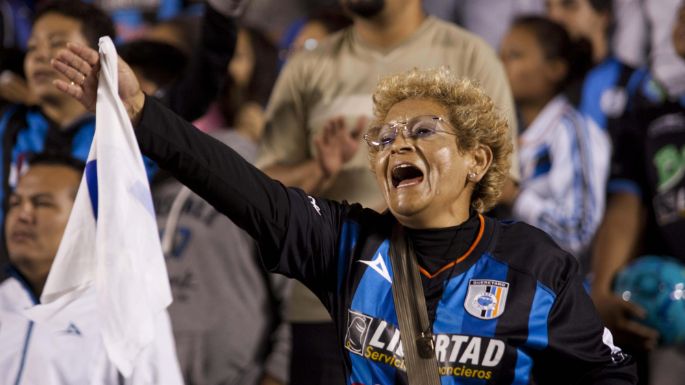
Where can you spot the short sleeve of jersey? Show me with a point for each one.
(627, 173)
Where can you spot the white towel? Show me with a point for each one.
(111, 241)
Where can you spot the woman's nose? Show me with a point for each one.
(402, 142)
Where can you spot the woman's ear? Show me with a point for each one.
(482, 159)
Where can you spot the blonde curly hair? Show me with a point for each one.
(471, 112)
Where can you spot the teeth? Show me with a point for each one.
(397, 168)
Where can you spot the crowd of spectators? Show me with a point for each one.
(596, 110)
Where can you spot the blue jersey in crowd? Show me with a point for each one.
(26, 130)
(608, 92)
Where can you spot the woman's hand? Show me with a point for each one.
(81, 65)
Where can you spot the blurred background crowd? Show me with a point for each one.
(594, 91)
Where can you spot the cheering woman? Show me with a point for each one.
(504, 304)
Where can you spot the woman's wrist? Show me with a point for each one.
(135, 108)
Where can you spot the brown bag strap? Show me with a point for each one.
(412, 315)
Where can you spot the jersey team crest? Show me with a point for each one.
(486, 298)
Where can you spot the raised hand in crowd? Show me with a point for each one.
(337, 144)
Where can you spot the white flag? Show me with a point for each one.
(111, 241)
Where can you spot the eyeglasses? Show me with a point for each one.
(418, 127)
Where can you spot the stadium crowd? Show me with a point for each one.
(590, 95)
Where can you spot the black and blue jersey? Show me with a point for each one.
(649, 162)
(507, 305)
(511, 310)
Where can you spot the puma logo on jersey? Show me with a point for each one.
(379, 266)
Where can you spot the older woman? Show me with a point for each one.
(505, 304)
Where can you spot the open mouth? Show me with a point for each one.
(406, 174)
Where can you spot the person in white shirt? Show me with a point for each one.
(564, 158)
(68, 349)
